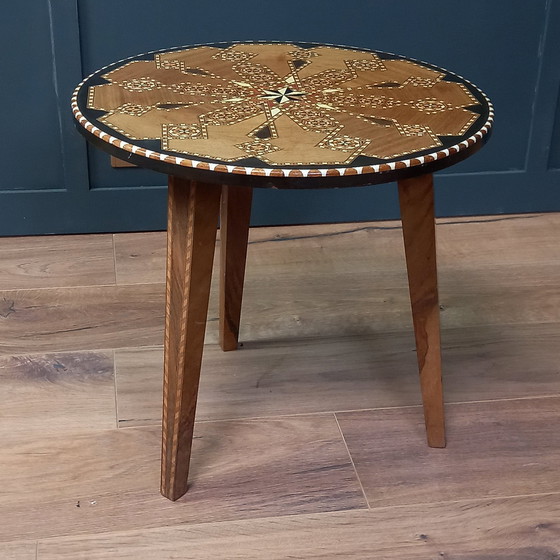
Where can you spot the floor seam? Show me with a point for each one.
(114, 258)
(328, 412)
(467, 500)
(352, 461)
(115, 390)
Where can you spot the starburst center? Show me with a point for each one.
(282, 95)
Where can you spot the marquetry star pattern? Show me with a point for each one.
(283, 104)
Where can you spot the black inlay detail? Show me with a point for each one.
(298, 63)
(153, 145)
(453, 78)
(93, 115)
(252, 162)
(306, 45)
(387, 85)
(478, 109)
(98, 80)
(361, 161)
(170, 105)
(263, 133)
(449, 141)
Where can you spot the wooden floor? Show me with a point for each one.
(309, 442)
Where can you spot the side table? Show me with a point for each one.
(225, 118)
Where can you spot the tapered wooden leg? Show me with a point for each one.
(416, 197)
(193, 210)
(234, 235)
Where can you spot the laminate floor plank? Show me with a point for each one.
(313, 303)
(322, 286)
(140, 257)
(56, 261)
(500, 296)
(326, 327)
(500, 448)
(498, 240)
(18, 550)
(68, 319)
(348, 281)
(108, 480)
(56, 393)
(76, 319)
(524, 528)
(471, 242)
(336, 374)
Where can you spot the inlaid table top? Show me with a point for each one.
(282, 115)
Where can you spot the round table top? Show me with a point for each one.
(285, 115)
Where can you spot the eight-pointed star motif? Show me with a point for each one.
(282, 95)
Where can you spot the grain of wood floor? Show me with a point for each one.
(309, 441)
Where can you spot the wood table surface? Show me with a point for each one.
(277, 114)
